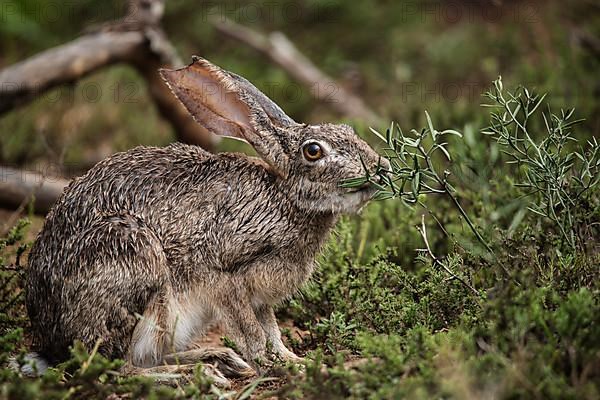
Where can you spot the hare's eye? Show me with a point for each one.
(312, 151)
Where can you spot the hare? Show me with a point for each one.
(152, 246)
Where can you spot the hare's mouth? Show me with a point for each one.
(365, 187)
(368, 186)
(361, 188)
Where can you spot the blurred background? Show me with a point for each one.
(399, 57)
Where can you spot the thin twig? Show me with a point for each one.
(423, 231)
(466, 217)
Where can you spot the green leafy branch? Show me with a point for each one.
(557, 178)
(413, 173)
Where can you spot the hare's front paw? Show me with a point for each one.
(262, 365)
(257, 357)
(284, 362)
(287, 355)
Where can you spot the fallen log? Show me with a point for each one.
(19, 188)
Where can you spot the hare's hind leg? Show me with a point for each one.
(167, 326)
(174, 374)
(116, 268)
(224, 359)
(151, 340)
(153, 337)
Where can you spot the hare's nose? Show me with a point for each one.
(384, 167)
(384, 164)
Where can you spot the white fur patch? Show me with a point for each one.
(145, 351)
(190, 318)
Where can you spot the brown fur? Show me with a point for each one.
(153, 245)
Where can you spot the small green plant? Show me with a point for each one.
(414, 173)
(227, 342)
(338, 333)
(11, 295)
(557, 178)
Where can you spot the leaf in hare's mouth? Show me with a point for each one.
(363, 188)
(355, 184)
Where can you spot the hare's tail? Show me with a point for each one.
(31, 365)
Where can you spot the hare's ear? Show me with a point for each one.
(228, 105)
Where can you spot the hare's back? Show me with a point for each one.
(138, 186)
(133, 179)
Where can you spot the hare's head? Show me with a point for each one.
(313, 160)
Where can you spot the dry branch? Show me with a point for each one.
(136, 40)
(18, 188)
(26, 80)
(278, 48)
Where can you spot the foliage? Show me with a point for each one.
(412, 164)
(561, 181)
